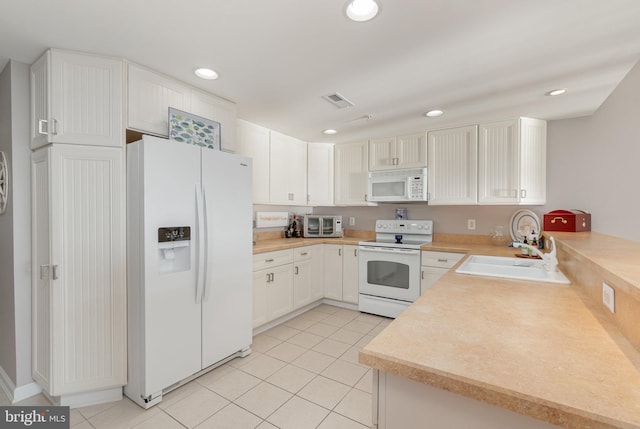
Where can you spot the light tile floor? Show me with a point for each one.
(301, 374)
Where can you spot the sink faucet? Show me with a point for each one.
(549, 260)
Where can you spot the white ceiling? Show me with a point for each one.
(478, 60)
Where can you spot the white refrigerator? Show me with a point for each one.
(189, 254)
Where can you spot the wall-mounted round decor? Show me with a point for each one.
(4, 182)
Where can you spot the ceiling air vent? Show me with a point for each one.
(338, 100)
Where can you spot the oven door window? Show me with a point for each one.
(327, 226)
(313, 226)
(390, 274)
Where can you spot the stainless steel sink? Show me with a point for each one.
(511, 268)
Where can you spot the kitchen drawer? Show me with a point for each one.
(272, 259)
(440, 259)
(304, 253)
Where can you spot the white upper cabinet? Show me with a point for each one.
(253, 141)
(453, 166)
(150, 95)
(512, 162)
(320, 174)
(220, 110)
(77, 99)
(288, 170)
(409, 151)
(351, 170)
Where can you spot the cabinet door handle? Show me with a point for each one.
(355, 252)
(422, 275)
(54, 128)
(523, 193)
(54, 272)
(268, 277)
(296, 272)
(339, 252)
(291, 196)
(41, 126)
(269, 260)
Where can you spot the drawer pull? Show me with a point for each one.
(269, 260)
(304, 253)
(443, 260)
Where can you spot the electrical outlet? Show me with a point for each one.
(352, 221)
(609, 297)
(471, 224)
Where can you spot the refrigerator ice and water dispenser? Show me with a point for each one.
(174, 248)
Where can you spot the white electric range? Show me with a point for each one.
(389, 267)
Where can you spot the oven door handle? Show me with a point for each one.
(393, 250)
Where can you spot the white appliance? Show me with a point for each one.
(397, 185)
(322, 226)
(389, 268)
(189, 247)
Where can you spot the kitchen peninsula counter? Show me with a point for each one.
(539, 349)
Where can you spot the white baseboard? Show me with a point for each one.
(17, 394)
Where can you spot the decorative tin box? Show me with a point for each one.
(567, 220)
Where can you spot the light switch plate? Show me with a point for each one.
(609, 297)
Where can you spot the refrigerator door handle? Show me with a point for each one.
(205, 290)
(200, 278)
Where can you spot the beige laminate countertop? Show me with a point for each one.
(534, 348)
(263, 246)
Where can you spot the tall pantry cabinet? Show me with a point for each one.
(78, 228)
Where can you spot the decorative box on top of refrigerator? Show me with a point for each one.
(567, 220)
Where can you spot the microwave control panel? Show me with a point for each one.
(417, 190)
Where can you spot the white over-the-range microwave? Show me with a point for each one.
(397, 185)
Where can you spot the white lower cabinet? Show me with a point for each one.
(286, 280)
(350, 273)
(341, 272)
(333, 271)
(272, 285)
(435, 265)
(307, 275)
(79, 326)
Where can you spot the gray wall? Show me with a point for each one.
(593, 164)
(15, 227)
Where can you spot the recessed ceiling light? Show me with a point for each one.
(434, 113)
(330, 131)
(205, 73)
(558, 91)
(362, 10)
